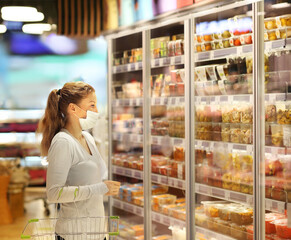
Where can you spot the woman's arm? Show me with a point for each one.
(60, 161)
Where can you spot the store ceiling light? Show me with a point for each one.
(37, 28)
(21, 14)
(2, 28)
(281, 5)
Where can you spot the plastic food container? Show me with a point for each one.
(206, 46)
(179, 153)
(246, 39)
(269, 220)
(282, 230)
(198, 38)
(164, 199)
(247, 114)
(270, 23)
(207, 37)
(216, 113)
(238, 231)
(201, 220)
(271, 113)
(198, 48)
(235, 41)
(270, 35)
(225, 132)
(201, 74)
(284, 21)
(241, 216)
(215, 177)
(216, 132)
(246, 136)
(211, 207)
(283, 114)
(235, 133)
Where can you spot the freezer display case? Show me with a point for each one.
(199, 107)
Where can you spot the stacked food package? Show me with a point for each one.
(227, 122)
(164, 47)
(277, 27)
(128, 56)
(168, 85)
(173, 166)
(221, 168)
(171, 124)
(225, 33)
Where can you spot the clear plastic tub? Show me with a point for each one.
(246, 134)
(242, 216)
(235, 132)
(216, 113)
(225, 132)
(164, 199)
(201, 219)
(283, 113)
(284, 21)
(206, 46)
(216, 132)
(270, 23)
(201, 73)
(211, 207)
(246, 114)
(271, 113)
(270, 35)
(282, 229)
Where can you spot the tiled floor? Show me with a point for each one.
(13, 231)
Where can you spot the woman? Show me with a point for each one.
(76, 170)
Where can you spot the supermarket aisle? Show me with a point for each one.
(34, 209)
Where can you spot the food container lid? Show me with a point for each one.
(285, 16)
(281, 222)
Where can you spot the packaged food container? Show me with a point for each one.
(223, 227)
(224, 211)
(270, 23)
(216, 132)
(278, 192)
(203, 113)
(213, 224)
(198, 47)
(201, 73)
(235, 114)
(215, 177)
(227, 181)
(282, 230)
(269, 220)
(247, 114)
(200, 155)
(171, 48)
(222, 71)
(204, 131)
(179, 47)
(177, 169)
(206, 46)
(271, 113)
(268, 187)
(211, 207)
(198, 38)
(238, 232)
(201, 219)
(242, 216)
(235, 133)
(284, 21)
(226, 113)
(225, 132)
(179, 153)
(283, 33)
(246, 136)
(270, 35)
(235, 41)
(216, 113)
(211, 71)
(138, 200)
(207, 37)
(246, 39)
(250, 232)
(180, 214)
(283, 114)
(180, 89)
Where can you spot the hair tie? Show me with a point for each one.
(59, 92)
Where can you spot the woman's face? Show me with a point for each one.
(88, 103)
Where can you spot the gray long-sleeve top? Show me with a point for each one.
(74, 177)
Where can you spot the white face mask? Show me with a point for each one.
(90, 121)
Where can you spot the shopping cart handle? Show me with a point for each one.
(25, 236)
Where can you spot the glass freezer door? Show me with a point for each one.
(127, 133)
(223, 102)
(277, 55)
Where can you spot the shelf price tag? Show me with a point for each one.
(157, 101)
(203, 189)
(131, 67)
(166, 221)
(172, 61)
(164, 180)
(180, 184)
(181, 100)
(117, 204)
(118, 69)
(140, 138)
(128, 172)
(218, 193)
(157, 217)
(178, 60)
(203, 56)
(178, 141)
(139, 211)
(119, 171)
(154, 178)
(157, 62)
(166, 61)
(154, 140)
(137, 175)
(134, 102)
(173, 101)
(128, 208)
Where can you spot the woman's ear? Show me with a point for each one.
(72, 108)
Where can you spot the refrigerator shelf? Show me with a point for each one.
(271, 205)
(157, 217)
(156, 178)
(210, 233)
(133, 102)
(130, 67)
(168, 101)
(167, 61)
(230, 146)
(226, 52)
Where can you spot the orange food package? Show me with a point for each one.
(138, 229)
(164, 199)
(163, 237)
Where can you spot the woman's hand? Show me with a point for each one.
(113, 187)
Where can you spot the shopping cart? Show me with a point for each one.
(83, 228)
